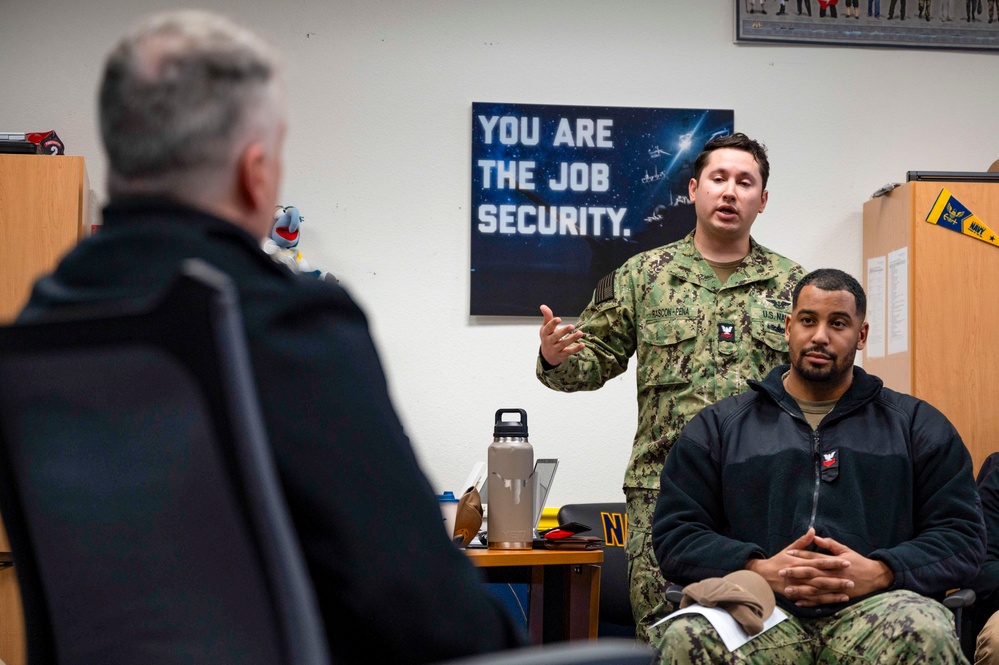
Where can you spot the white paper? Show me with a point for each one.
(898, 301)
(728, 628)
(876, 280)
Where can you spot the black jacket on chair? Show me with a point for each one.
(987, 583)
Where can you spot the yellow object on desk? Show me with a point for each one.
(549, 519)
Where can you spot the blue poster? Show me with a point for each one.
(562, 195)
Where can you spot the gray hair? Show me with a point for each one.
(182, 94)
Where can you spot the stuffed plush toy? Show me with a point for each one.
(282, 244)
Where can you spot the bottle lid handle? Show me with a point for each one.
(510, 427)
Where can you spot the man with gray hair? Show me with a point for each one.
(192, 114)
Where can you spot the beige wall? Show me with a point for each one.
(378, 162)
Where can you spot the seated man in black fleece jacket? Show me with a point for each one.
(856, 503)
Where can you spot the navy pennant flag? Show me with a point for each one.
(950, 213)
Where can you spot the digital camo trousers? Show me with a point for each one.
(646, 583)
(892, 627)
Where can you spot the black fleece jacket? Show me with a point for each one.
(885, 474)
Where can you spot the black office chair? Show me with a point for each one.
(603, 651)
(610, 521)
(141, 501)
(136, 484)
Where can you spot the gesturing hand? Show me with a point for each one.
(557, 344)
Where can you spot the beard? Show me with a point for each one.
(831, 372)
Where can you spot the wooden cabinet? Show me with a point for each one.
(934, 289)
(13, 649)
(44, 211)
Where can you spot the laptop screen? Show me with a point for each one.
(544, 473)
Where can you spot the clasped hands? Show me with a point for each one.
(819, 578)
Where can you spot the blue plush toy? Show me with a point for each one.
(282, 244)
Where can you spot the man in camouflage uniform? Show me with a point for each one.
(703, 315)
(856, 504)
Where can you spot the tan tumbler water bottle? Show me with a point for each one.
(510, 516)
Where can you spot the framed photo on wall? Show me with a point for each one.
(943, 24)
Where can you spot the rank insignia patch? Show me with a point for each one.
(726, 332)
(830, 466)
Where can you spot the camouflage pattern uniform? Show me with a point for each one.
(697, 341)
(891, 627)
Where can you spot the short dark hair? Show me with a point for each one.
(737, 141)
(831, 279)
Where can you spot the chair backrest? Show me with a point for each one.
(610, 521)
(139, 493)
(602, 651)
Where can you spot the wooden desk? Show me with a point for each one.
(564, 588)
